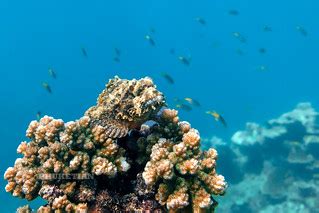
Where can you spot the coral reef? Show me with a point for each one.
(186, 174)
(278, 161)
(128, 153)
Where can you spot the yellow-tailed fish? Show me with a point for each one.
(47, 87)
(217, 117)
(192, 101)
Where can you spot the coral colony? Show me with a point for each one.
(279, 160)
(127, 153)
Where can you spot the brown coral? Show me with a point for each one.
(179, 163)
(94, 165)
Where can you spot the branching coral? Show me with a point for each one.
(187, 175)
(126, 153)
(58, 155)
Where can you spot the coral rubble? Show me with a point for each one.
(128, 153)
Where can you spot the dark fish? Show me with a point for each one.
(184, 60)
(84, 52)
(267, 29)
(184, 107)
(217, 117)
(222, 120)
(47, 87)
(172, 51)
(240, 52)
(302, 30)
(168, 78)
(150, 40)
(215, 44)
(201, 20)
(117, 59)
(262, 50)
(38, 115)
(152, 30)
(233, 12)
(196, 103)
(117, 51)
(240, 37)
(52, 73)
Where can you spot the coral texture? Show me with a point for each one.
(126, 154)
(187, 175)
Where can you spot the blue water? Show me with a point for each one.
(36, 35)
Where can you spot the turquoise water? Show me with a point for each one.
(38, 35)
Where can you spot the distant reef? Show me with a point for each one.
(128, 153)
(273, 167)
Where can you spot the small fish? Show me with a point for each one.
(215, 44)
(262, 50)
(172, 51)
(294, 143)
(168, 78)
(152, 30)
(150, 40)
(52, 73)
(46, 86)
(240, 37)
(302, 30)
(38, 115)
(184, 107)
(201, 20)
(117, 51)
(117, 59)
(192, 102)
(185, 60)
(178, 100)
(233, 12)
(217, 117)
(262, 68)
(240, 52)
(267, 29)
(84, 53)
